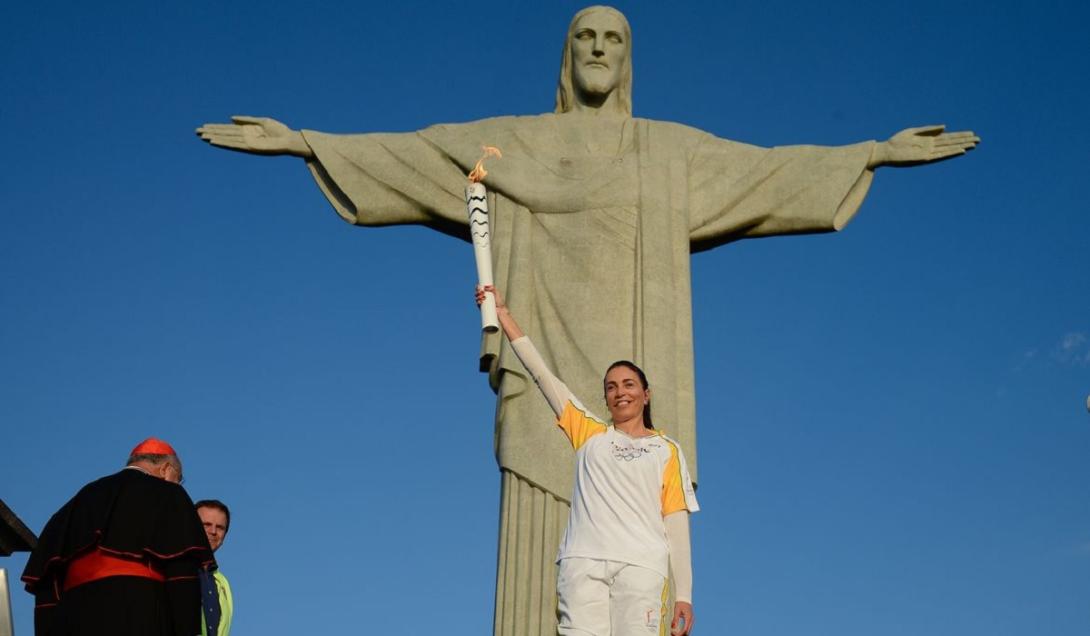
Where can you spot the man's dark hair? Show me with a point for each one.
(215, 503)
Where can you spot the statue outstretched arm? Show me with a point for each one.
(742, 191)
(369, 179)
(915, 146)
(256, 135)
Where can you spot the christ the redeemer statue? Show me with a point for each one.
(594, 216)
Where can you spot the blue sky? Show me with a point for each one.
(892, 420)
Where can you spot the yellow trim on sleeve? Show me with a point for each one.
(578, 426)
(673, 493)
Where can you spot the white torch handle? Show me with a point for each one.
(480, 230)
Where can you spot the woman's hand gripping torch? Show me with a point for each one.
(479, 229)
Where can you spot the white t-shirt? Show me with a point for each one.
(624, 485)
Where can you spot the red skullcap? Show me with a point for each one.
(153, 446)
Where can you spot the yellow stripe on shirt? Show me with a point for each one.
(578, 425)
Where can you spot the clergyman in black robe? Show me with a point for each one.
(122, 557)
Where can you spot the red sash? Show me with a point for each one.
(96, 564)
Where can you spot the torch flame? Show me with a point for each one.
(479, 173)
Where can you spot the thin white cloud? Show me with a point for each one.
(1072, 341)
(1028, 356)
(1073, 349)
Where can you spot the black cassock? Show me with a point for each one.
(128, 515)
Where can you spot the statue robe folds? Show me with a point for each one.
(593, 223)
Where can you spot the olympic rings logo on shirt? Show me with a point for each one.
(628, 453)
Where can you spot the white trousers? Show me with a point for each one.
(609, 598)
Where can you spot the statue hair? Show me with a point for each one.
(565, 89)
(647, 423)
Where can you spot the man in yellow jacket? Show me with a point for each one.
(216, 600)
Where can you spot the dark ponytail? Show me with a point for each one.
(643, 380)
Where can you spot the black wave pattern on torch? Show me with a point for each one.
(478, 210)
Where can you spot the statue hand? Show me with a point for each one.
(914, 146)
(257, 135)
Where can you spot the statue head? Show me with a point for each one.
(596, 66)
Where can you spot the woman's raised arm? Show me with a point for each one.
(556, 393)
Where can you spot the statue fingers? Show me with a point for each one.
(220, 135)
(230, 130)
(216, 128)
(247, 119)
(232, 144)
(962, 137)
(963, 144)
(925, 131)
(939, 154)
(267, 125)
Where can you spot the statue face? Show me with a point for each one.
(598, 50)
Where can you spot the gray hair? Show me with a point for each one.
(155, 459)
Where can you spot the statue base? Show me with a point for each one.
(532, 522)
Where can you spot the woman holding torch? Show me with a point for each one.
(629, 522)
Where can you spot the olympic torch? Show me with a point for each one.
(480, 230)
